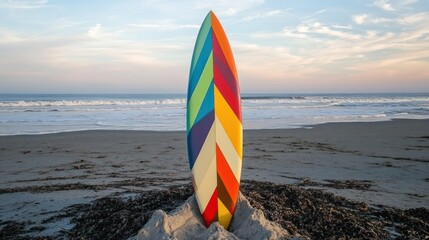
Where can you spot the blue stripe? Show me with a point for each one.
(208, 103)
(199, 67)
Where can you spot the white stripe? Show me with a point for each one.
(228, 150)
(204, 170)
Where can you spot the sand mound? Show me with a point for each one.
(185, 222)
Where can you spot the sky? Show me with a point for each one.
(280, 46)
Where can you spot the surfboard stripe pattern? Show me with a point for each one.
(214, 124)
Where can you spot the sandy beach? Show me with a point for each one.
(95, 184)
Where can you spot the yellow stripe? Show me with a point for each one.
(228, 150)
(224, 216)
(229, 121)
(204, 170)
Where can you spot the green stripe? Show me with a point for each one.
(204, 30)
(200, 91)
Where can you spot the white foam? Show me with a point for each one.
(42, 114)
(64, 103)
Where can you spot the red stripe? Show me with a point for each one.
(223, 40)
(224, 79)
(211, 209)
(227, 177)
(226, 92)
(220, 60)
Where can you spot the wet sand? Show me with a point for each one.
(48, 181)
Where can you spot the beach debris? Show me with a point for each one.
(12, 229)
(287, 209)
(364, 185)
(321, 215)
(116, 218)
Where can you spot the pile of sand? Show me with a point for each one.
(186, 222)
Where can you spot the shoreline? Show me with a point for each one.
(377, 163)
(309, 126)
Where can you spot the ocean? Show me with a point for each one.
(51, 113)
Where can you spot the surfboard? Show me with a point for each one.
(214, 124)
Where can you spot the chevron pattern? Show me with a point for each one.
(214, 124)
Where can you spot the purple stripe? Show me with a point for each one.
(197, 135)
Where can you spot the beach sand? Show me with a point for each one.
(361, 180)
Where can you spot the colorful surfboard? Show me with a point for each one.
(214, 126)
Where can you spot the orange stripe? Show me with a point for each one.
(227, 176)
(223, 42)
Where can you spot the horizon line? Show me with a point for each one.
(184, 93)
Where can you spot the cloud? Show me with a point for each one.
(394, 5)
(105, 62)
(408, 2)
(415, 18)
(264, 62)
(373, 45)
(404, 20)
(378, 20)
(322, 29)
(320, 11)
(94, 31)
(360, 19)
(342, 26)
(265, 14)
(351, 50)
(95, 46)
(20, 4)
(314, 32)
(7, 36)
(164, 25)
(385, 5)
(227, 7)
(404, 3)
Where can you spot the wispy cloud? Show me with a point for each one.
(97, 45)
(227, 7)
(377, 41)
(22, 4)
(385, 5)
(163, 25)
(378, 20)
(407, 2)
(359, 19)
(351, 50)
(415, 18)
(8, 36)
(349, 27)
(320, 11)
(314, 14)
(270, 13)
(319, 28)
(94, 31)
(403, 20)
